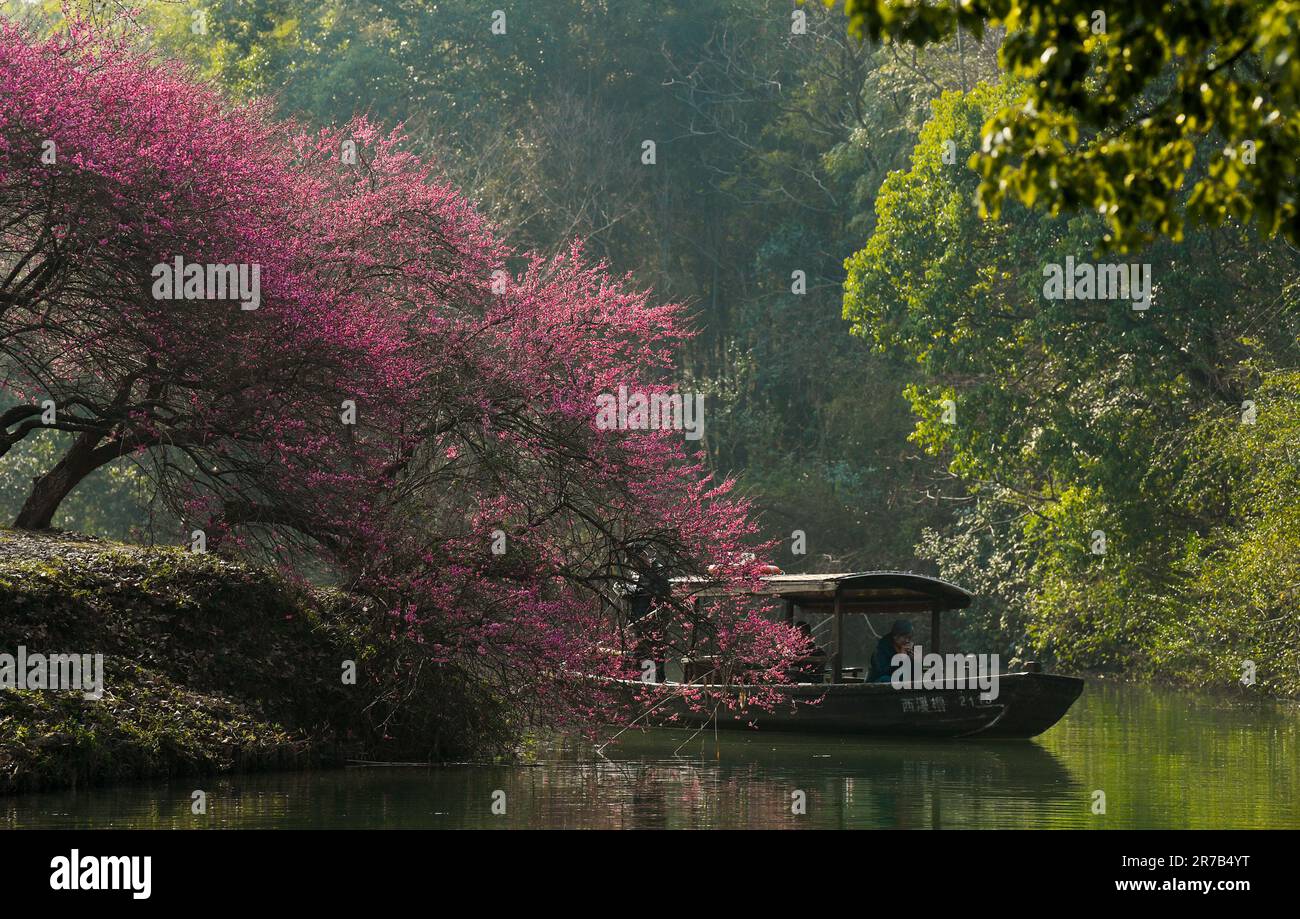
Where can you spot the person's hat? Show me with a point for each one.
(901, 627)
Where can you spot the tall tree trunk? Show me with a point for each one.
(48, 491)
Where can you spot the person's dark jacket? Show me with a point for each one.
(882, 670)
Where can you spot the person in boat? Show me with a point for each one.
(898, 640)
(809, 667)
(651, 592)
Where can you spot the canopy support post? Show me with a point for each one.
(934, 630)
(837, 639)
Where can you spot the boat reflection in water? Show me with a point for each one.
(750, 780)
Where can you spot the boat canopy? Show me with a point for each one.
(851, 592)
(859, 591)
(867, 591)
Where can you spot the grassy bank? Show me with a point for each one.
(209, 666)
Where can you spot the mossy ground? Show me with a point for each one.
(209, 665)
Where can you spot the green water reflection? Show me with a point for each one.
(1163, 759)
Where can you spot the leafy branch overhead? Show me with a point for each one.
(1149, 112)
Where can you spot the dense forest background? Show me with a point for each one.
(881, 368)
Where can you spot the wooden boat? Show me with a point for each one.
(1026, 703)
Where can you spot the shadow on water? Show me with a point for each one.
(1163, 759)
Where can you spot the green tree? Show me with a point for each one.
(1242, 575)
(1121, 109)
(1068, 417)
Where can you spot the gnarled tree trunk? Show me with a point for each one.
(49, 490)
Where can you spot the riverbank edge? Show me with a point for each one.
(210, 666)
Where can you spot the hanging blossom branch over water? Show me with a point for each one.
(403, 396)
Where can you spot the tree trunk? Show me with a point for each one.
(49, 490)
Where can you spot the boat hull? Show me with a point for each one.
(1027, 704)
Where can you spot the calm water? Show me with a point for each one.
(1164, 759)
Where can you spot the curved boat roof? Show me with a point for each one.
(859, 589)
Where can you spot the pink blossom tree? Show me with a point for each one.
(410, 399)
